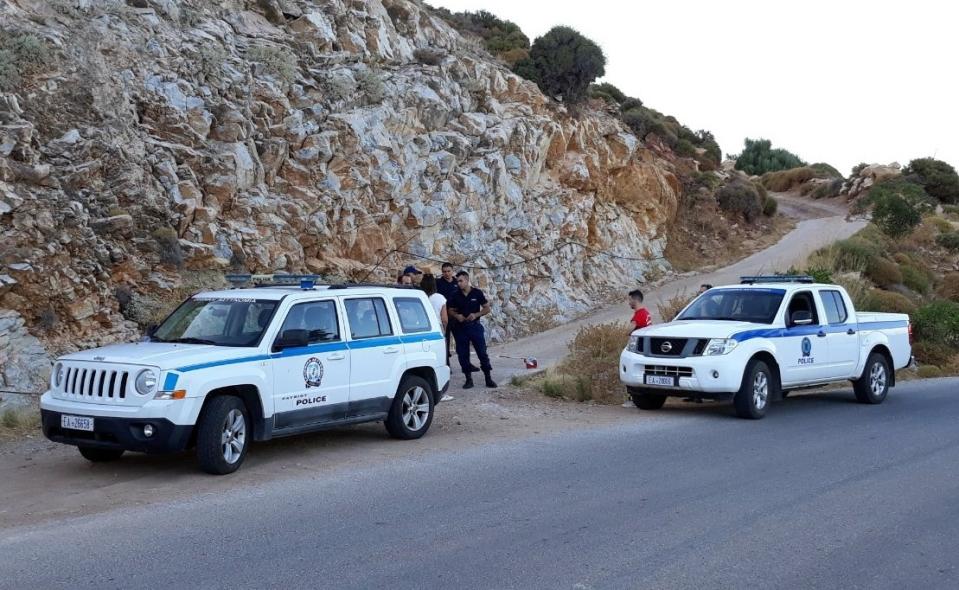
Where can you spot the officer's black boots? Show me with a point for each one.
(489, 380)
(469, 382)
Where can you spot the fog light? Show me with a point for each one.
(715, 374)
(148, 430)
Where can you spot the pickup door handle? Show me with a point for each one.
(821, 334)
(850, 331)
(391, 350)
(336, 356)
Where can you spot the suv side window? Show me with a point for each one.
(368, 317)
(317, 317)
(802, 301)
(835, 307)
(412, 314)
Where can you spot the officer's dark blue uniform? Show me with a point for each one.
(466, 333)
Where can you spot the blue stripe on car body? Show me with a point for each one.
(810, 330)
(169, 383)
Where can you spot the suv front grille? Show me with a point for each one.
(89, 383)
(664, 371)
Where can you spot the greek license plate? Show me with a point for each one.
(76, 422)
(659, 380)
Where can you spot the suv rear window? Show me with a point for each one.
(412, 314)
(368, 318)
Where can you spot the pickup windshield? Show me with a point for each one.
(758, 306)
(220, 322)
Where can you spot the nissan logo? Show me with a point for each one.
(666, 346)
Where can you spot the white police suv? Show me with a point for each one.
(756, 341)
(229, 367)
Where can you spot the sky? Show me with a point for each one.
(841, 81)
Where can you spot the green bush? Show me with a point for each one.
(938, 178)
(278, 62)
(898, 206)
(949, 288)
(770, 206)
(949, 241)
(883, 272)
(740, 198)
(501, 37)
(938, 323)
(685, 148)
(609, 92)
(630, 103)
(931, 353)
(854, 254)
(759, 157)
(915, 279)
(828, 190)
(888, 302)
(22, 54)
(563, 62)
(824, 170)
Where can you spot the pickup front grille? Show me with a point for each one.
(664, 371)
(667, 346)
(90, 383)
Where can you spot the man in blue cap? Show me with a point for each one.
(467, 305)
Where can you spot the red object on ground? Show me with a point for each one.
(530, 363)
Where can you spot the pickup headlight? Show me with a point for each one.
(633, 345)
(718, 346)
(146, 381)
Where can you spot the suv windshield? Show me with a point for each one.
(221, 322)
(758, 306)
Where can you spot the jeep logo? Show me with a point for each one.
(666, 346)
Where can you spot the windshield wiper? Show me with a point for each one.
(191, 341)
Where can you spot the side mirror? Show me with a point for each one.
(801, 318)
(291, 339)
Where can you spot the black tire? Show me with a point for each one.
(404, 422)
(873, 385)
(100, 455)
(758, 389)
(647, 401)
(215, 456)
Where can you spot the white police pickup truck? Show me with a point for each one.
(756, 341)
(229, 367)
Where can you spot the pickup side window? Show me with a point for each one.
(802, 301)
(318, 318)
(835, 307)
(368, 318)
(412, 314)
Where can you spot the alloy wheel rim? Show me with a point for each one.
(877, 379)
(760, 390)
(233, 438)
(416, 408)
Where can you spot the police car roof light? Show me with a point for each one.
(751, 280)
(272, 280)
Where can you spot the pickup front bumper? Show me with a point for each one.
(713, 376)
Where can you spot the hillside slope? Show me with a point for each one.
(160, 141)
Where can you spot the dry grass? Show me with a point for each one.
(589, 372)
(19, 422)
(786, 180)
(670, 308)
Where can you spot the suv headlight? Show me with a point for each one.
(633, 345)
(58, 373)
(718, 346)
(146, 381)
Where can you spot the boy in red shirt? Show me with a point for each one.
(641, 317)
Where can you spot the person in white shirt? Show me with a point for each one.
(428, 284)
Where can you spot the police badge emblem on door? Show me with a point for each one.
(313, 372)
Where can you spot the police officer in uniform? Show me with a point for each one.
(467, 305)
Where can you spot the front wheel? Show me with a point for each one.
(758, 387)
(648, 401)
(873, 385)
(222, 437)
(412, 410)
(100, 455)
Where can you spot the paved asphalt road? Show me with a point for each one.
(822, 493)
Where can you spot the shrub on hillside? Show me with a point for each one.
(607, 92)
(21, 54)
(887, 301)
(563, 62)
(428, 56)
(949, 240)
(931, 353)
(590, 370)
(502, 38)
(669, 309)
(938, 178)
(770, 206)
(828, 190)
(824, 170)
(276, 61)
(883, 272)
(854, 254)
(949, 288)
(759, 157)
(915, 278)
(630, 103)
(898, 206)
(938, 323)
(784, 180)
(740, 198)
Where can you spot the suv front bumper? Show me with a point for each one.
(119, 433)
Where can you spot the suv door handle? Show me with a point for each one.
(821, 334)
(850, 331)
(336, 356)
(391, 350)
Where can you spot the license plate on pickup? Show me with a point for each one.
(76, 422)
(659, 380)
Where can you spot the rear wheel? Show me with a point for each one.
(100, 455)
(645, 400)
(758, 388)
(412, 411)
(223, 435)
(873, 385)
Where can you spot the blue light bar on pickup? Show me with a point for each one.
(752, 280)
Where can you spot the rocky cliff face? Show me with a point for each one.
(167, 139)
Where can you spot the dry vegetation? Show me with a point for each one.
(670, 308)
(589, 372)
(18, 422)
